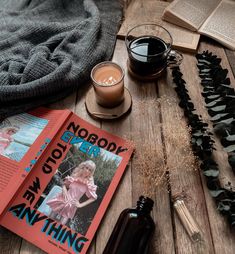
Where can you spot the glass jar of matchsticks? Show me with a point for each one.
(186, 218)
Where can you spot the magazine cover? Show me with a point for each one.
(66, 194)
(23, 140)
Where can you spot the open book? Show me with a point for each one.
(214, 18)
(58, 174)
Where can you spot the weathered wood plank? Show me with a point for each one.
(231, 58)
(142, 126)
(120, 201)
(67, 103)
(226, 174)
(9, 242)
(223, 237)
(80, 110)
(184, 176)
(148, 166)
(28, 248)
(76, 103)
(122, 197)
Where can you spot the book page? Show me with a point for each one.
(221, 24)
(183, 40)
(192, 12)
(62, 202)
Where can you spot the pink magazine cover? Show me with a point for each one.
(23, 140)
(68, 191)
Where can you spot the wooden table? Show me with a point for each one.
(162, 165)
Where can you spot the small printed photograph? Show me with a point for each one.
(76, 191)
(18, 133)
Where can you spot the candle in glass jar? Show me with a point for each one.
(108, 84)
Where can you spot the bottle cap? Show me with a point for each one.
(145, 203)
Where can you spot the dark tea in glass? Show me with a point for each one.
(147, 55)
(148, 46)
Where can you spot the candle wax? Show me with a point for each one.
(107, 75)
(109, 87)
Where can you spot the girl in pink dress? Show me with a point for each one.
(6, 137)
(75, 186)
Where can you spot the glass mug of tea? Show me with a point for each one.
(149, 48)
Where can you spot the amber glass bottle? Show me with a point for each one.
(133, 230)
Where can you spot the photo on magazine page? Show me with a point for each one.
(18, 133)
(76, 190)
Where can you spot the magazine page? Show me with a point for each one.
(23, 139)
(193, 13)
(221, 24)
(66, 195)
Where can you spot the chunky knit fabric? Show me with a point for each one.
(48, 47)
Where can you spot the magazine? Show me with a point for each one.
(214, 18)
(67, 171)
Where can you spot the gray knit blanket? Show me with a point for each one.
(48, 47)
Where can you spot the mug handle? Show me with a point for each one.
(174, 59)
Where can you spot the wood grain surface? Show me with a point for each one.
(162, 165)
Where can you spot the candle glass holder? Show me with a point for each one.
(108, 83)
